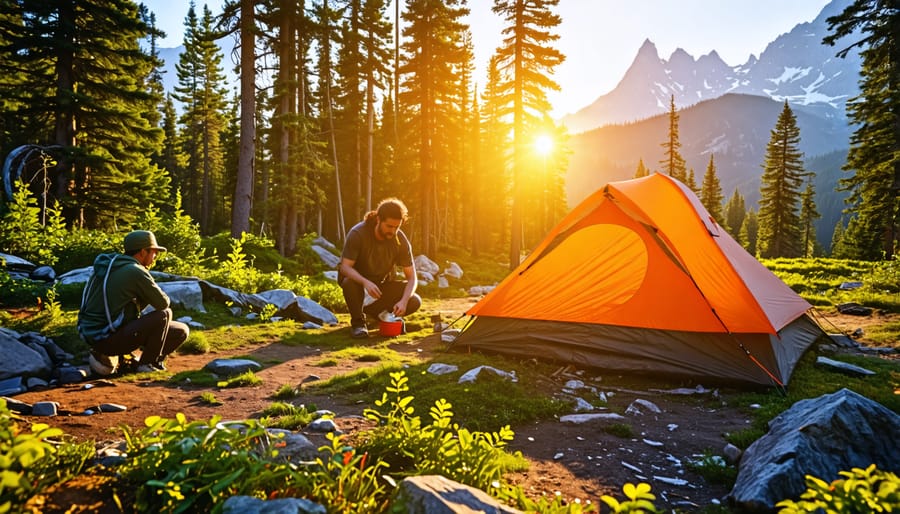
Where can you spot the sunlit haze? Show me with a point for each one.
(600, 38)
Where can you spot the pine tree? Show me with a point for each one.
(874, 156)
(749, 235)
(88, 89)
(641, 170)
(171, 160)
(837, 240)
(783, 174)
(711, 192)
(199, 89)
(527, 58)
(432, 55)
(808, 216)
(735, 211)
(691, 181)
(493, 169)
(673, 163)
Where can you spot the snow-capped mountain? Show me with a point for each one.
(796, 66)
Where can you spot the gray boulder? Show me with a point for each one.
(44, 274)
(819, 437)
(329, 259)
(75, 276)
(185, 294)
(20, 360)
(251, 505)
(434, 494)
(280, 298)
(231, 367)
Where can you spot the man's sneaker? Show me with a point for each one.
(103, 365)
(359, 332)
(145, 368)
(160, 366)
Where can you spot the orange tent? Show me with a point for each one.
(640, 277)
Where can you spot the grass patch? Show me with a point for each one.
(197, 344)
(287, 415)
(245, 379)
(195, 377)
(714, 469)
(811, 381)
(286, 392)
(209, 399)
(622, 430)
(487, 404)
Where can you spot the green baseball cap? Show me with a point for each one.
(140, 239)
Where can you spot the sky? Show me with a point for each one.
(600, 38)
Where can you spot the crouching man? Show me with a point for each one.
(110, 319)
(372, 249)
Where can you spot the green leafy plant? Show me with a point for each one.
(29, 462)
(441, 447)
(183, 466)
(859, 491)
(266, 313)
(209, 398)
(640, 500)
(25, 233)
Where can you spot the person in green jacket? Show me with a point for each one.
(112, 318)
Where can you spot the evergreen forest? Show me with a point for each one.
(337, 107)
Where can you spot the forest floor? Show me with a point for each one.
(576, 461)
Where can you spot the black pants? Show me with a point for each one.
(391, 292)
(155, 332)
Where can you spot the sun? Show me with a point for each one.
(543, 145)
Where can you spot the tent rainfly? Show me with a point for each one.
(639, 277)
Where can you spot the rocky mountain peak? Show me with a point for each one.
(796, 67)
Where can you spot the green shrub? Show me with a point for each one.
(192, 466)
(860, 491)
(26, 234)
(29, 462)
(183, 466)
(18, 293)
(411, 447)
(82, 246)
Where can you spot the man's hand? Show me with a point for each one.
(400, 307)
(372, 288)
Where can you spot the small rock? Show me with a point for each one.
(311, 378)
(652, 443)
(843, 367)
(112, 407)
(732, 453)
(438, 368)
(584, 418)
(670, 481)
(45, 409)
(322, 425)
(558, 456)
(632, 467)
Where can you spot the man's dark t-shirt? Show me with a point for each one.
(376, 259)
